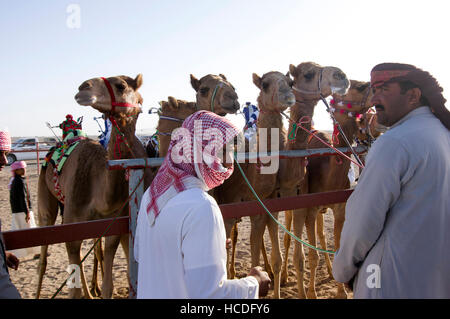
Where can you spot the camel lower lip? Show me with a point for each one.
(85, 101)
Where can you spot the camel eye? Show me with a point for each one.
(120, 86)
(362, 87)
(309, 75)
(204, 90)
(265, 86)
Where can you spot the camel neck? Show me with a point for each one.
(301, 109)
(268, 119)
(122, 139)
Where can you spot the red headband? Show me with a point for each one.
(378, 78)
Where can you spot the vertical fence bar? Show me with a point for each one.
(37, 152)
(135, 201)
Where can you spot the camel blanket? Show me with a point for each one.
(59, 154)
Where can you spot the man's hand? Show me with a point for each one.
(263, 280)
(12, 261)
(27, 217)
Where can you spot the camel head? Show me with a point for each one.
(312, 80)
(215, 94)
(95, 93)
(368, 126)
(275, 91)
(178, 109)
(354, 103)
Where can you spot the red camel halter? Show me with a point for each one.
(120, 137)
(113, 97)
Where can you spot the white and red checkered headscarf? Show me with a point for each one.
(191, 159)
(5, 141)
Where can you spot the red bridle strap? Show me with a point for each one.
(113, 98)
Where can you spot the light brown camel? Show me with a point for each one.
(275, 96)
(310, 82)
(331, 173)
(91, 190)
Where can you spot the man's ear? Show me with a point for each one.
(414, 96)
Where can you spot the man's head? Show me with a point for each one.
(5, 147)
(400, 88)
(69, 117)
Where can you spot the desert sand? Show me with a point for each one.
(25, 278)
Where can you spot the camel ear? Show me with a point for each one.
(293, 70)
(173, 102)
(138, 81)
(223, 77)
(195, 83)
(140, 98)
(257, 80)
(163, 105)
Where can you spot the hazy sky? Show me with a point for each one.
(43, 60)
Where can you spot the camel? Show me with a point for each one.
(311, 81)
(213, 93)
(91, 190)
(330, 173)
(173, 113)
(275, 96)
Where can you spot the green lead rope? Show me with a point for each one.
(268, 212)
(293, 133)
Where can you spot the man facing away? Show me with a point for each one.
(180, 234)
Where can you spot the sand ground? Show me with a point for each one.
(25, 278)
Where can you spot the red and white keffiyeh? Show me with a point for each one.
(192, 159)
(5, 141)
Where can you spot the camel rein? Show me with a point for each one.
(303, 120)
(276, 220)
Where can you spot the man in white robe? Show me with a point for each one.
(395, 241)
(180, 243)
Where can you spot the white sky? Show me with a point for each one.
(43, 62)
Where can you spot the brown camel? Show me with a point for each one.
(275, 96)
(173, 113)
(91, 190)
(214, 93)
(310, 82)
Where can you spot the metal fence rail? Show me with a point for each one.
(122, 225)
